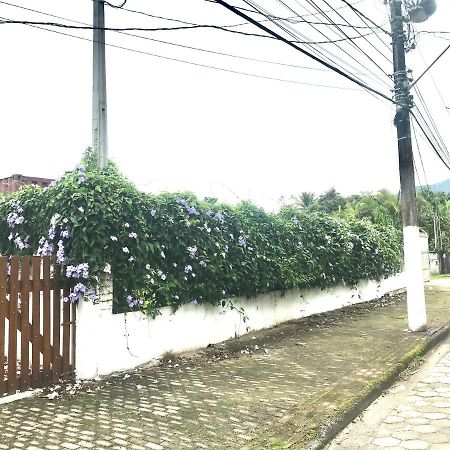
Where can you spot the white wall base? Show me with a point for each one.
(415, 293)
(109, 342)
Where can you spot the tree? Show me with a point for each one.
(330, 202)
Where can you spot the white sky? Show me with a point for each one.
(173, 126)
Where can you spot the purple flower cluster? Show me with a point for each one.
(190, 209)
(242, 241)
(80, 271)
(133, 302)
(45, 248)
(77, 293)
(14, 219)
(80, 170)
(218, 215)
(60, 256)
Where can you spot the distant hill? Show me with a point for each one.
(443, 186)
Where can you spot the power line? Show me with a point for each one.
(116, 6)
(435, 85)
(353, 43)
(214, 52)
(188, 27)
(367, 18)
(433, 124)
(222, 69)
(420, 153)
(88, 27)
(432, 64)
(279, 18)
(294, 33)
(433, 146)
(239, 24)
(303, 51)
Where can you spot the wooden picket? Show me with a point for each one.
(31, 304)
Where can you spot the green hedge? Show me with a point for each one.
(173, 249)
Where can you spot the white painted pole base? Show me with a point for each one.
(415, 292)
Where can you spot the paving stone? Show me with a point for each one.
(415, 445)
(385, 442)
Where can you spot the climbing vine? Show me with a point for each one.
(172, 249)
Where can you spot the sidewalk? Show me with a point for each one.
(415, 414)
(272, 389)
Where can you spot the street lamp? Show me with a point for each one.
(420, 10)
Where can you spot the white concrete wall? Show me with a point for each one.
(108, 342)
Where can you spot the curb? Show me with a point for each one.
(328, 432)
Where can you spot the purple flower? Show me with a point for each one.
(219, 216)
(209, 213)
(46, 249)
(19, 243)
(60, 257)
(107, 268)
(241, 241)
(153, 212)
(131, 258)
(65, 234)
(133, 302)
(79, 288)
(192, 210)
(192, 250)
(14, 219)
(202, 263)
(81, 180)
(194, 302)
(187, 268)
(82, 270)
(182, 202)
(133, 235)
(125, 250)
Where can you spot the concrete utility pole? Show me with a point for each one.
(99, 111)
(417, 315)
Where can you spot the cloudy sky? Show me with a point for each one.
(178, 126)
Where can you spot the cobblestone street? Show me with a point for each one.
(270, 389)
(420, 421)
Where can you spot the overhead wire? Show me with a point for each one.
(287, 29)
(293, 33)
(217, 68)
(446, 109)
(431, 65)
(419, 152)
(214, 52)
(279, 18)
(436, 133)
(312, 3)
(430, 141)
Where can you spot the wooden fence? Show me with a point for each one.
(37, 328)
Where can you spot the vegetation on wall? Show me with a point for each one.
(383, 208)
(172, 249)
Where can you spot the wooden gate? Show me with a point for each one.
(37, 328)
